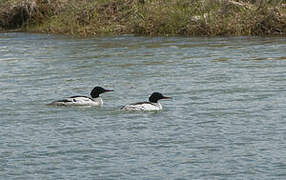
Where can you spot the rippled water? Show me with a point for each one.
(227, 118)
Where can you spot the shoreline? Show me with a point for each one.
(193, 18)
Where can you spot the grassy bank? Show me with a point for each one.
(148, 17)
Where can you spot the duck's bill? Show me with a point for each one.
(108, 90)
(167, 97)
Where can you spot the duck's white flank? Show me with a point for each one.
(144, 106)
(79, 101)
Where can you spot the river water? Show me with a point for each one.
(226, 120)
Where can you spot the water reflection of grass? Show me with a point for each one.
(221, 59)
(161, 17)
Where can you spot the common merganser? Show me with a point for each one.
(152, 105)
(94, 100)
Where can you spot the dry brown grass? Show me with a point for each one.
(160, 17)
(19, 13)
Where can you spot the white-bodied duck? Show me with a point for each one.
(152, 105)
(94, 100)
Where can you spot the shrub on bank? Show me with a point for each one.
(148, 17)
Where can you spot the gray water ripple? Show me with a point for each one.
(226, 119)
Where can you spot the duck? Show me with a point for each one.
(152, 105)
(94, 100)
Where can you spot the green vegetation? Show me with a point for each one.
(148, 17)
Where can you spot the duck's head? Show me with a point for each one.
(97, 91)
(156, 96)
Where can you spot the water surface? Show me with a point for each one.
(227, 118)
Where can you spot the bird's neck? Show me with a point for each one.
(98, 99)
